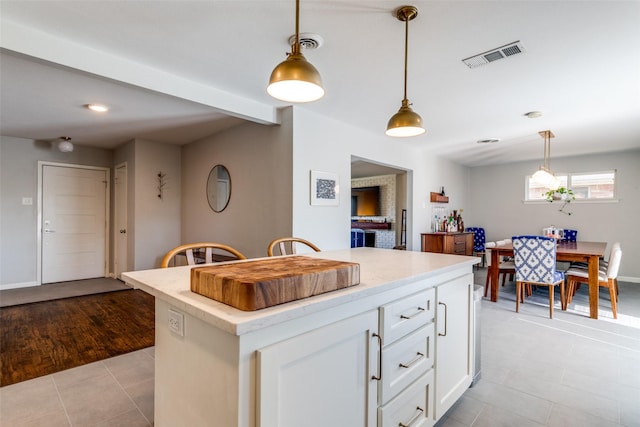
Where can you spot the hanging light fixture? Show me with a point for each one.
(65, 145)
(295, 79)
(544, 176)
(405, 122)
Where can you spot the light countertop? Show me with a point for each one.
(380, 270)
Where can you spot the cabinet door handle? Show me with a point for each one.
(419, 412)
(379, 376)
(420, 310)
(445, 320)
(413, 362)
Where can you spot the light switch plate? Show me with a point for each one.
(176, 322)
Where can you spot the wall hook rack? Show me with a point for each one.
(162, 181)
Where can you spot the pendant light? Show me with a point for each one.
(295, 79)
(405, 122)
(543, 175)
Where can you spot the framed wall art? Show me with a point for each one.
(325, 188)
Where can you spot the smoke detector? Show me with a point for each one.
(308, 41)
(492, 55)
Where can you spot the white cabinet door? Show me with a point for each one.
(454, 351)
(321, 378)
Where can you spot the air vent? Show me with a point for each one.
(308, 40)
(488, 141)
(501, 52)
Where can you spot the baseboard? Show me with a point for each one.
(18, 285)
(629, 279)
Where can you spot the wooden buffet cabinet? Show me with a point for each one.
(448, 243)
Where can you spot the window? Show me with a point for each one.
(585, 186)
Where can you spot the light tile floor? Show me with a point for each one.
(566, 371)
(109, 393)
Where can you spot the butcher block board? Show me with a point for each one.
(258, 284)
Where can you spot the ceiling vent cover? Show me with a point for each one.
(308, 40)
(501, 52)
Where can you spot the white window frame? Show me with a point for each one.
(569, 176)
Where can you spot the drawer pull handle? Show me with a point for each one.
(445, 320)
(379, 376)
(413, 362)
(420, 310)
(414, 419)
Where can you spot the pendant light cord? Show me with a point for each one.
(547, 150)
(406, 50)
(296, 43)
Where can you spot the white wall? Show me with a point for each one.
(497, 194)
(18, 223)
(156, 221)
(259, 161)
(324, 144)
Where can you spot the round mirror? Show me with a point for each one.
(218, 188)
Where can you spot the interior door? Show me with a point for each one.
(120, 219)
(74, 226)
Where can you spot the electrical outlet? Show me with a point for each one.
(176, 322)
(27, 201)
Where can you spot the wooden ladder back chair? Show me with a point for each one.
(195, 251)
(287, 245)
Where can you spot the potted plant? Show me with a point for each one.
(560, 193)
(563, 194)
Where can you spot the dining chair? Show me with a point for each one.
(535, 262)
(287, 245)
(479, 240)
(569, 235)
(602, 265)
(606, 279)
(507, 267)
(204, 251)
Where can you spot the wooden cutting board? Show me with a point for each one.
(253, 285)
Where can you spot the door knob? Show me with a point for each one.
(123, 231)
(46, 230)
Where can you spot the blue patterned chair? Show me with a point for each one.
(569, 235)
(535, 260)
(479, 241)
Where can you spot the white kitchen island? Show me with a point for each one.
(394, 350)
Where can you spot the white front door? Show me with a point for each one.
(74, 226)
(120, 219)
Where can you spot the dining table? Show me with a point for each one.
(589, 252)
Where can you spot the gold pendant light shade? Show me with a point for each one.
(405, 122)
(295, 79)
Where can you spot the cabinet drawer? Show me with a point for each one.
(412, 407)
(406, 360)
(459, 245)
(405, 315)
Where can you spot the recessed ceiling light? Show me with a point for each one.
(488, 141)
(533, 114)
(99, 108)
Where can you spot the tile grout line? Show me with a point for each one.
(64, 407)
(580, 335)
(125, 391)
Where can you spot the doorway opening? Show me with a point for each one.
(380, 199)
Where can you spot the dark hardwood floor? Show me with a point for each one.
(46, 337)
